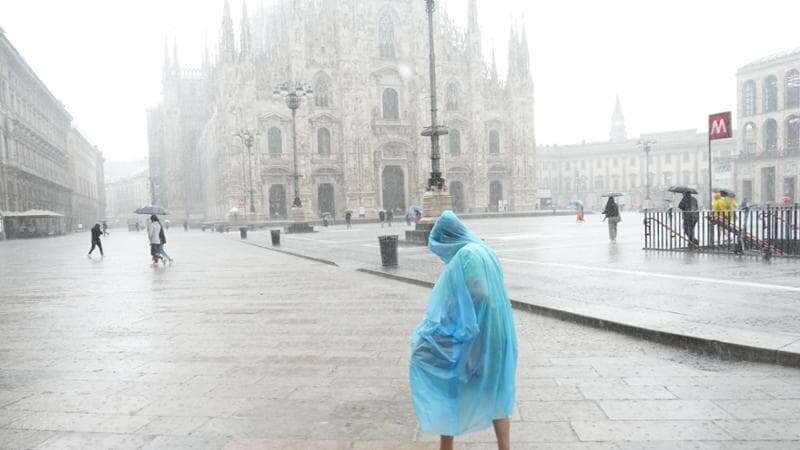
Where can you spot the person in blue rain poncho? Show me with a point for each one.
(464, 352)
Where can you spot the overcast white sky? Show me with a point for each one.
(671, 62)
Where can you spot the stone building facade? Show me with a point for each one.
(85, 167)
(125, 195)
(767, 164)
(359, 137)
(45, 164)
(588, 170)
(34, 126)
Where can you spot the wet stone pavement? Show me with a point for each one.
(238, 347)
(557, 263)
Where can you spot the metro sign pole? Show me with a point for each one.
(719, 127)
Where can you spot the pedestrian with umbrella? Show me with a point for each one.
(154, 229)
(611, 213)
(690, 209)
(348, 218)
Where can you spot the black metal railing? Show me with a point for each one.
(768, 231)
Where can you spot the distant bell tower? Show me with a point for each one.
(618, 133)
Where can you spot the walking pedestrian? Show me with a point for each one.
(611, 213)
(382, 217)
(691, 216)
(464, 352)
(105, 228)
(186, 225)
(96, 233)
(162, 252)
(389, 216)
(348, 217)
(154, 237)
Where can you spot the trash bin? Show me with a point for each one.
(243, 232)
(388, 250)
(276, 237)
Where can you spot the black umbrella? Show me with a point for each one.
(725, 192)
(613, 194)
(682, 190)
(152, 209)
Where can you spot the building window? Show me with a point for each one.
(324, 142)
(494, 142)
(792, 89)
(454, 137)
(749, 98)
(391, 104)
(386, 37)
(770, 135)
(453, 95)
(274, 141)
(770, 94)
(793, 133)
(749, 139)
(322, 92)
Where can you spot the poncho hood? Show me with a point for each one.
(449, 235)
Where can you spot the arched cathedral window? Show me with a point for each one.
(386, 36)
(494, 142)
(324, 142)
(453, 96)
(274, 141)
(322, 92)
(391, 106)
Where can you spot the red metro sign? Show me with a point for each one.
(719, 126)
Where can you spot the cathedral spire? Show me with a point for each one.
(618, 133)
(175, 63)
(227, 47)
(524, 54)
(473, 31)
(513, 68)
(494, 65)
(246, 39)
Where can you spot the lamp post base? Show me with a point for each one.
(299, 223)
(434, 202)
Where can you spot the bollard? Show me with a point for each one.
(388, 246)
(276, 237)
(243, 232)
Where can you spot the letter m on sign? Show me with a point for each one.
(719, 126)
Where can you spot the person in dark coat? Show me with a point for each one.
(348, 218)
(691, 215)
(611, 212)
(389, 216)
(382, 217)
(96, 233)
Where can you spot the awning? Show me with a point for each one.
(30, 213)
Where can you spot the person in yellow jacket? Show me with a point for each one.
(718, 206)
(729, 202)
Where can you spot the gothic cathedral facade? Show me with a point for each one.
(358, 138)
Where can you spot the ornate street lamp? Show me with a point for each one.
(646, 147)
(294, 93)
(248, 139)
(436, 181)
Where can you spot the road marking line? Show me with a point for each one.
(640, 273)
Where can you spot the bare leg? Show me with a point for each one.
(502, 429)
(446, 443)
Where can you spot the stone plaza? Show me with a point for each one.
(236, 345)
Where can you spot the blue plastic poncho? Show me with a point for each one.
(464, 353)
